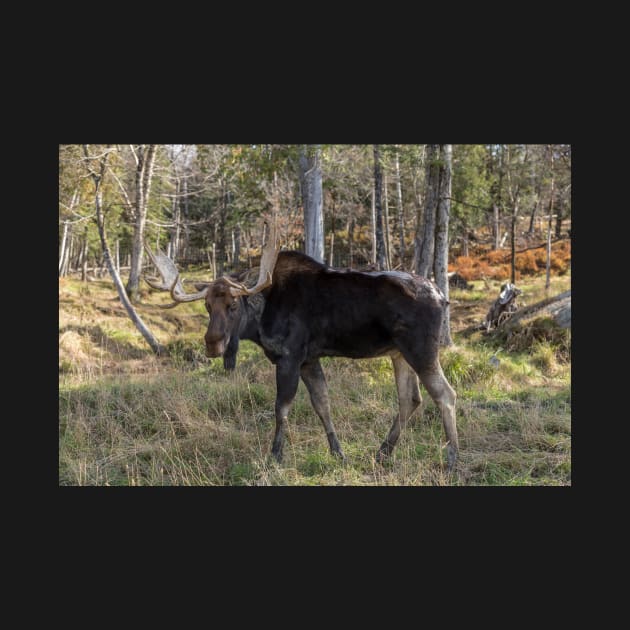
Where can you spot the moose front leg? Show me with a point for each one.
(287, 379)
(229, 356)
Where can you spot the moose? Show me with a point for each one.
(300, 310)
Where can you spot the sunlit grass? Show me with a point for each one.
(129, 418)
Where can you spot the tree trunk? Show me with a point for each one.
(401, 216)
(424, 254)
(496, 232)
(388, 246)
(351, 241)
(496, 219)
(548, 264)
(85, 255)
(417, 239)
(532, 217)
(78, 260)
(441, 237)
(62, 249)
(221, 245)
(540, 309)
(182, 248)
(66, 264)
(332, 234)
(381, 261)
(78, 263)
(214, 261)
(122, 294)
(175, 236)
(144, 175)
(373, 202)
(513, 242)
(248, 237)
(312, 200)
(514, 195)
(559, 220)
(236, 254)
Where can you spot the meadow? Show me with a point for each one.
(127, 417)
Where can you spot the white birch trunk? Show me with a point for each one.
(144, 175)
(312, 199)
(122, 294)
(401, 216)
(62, 251)
(386, 217)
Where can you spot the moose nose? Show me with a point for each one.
(215, 349)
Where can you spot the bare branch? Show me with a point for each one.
(122, 190)
(135, 155)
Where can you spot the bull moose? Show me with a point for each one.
(300, 310)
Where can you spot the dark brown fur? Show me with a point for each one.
(312, 310)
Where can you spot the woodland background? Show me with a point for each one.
(492, 213)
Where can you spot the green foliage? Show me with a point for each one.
(472, 184)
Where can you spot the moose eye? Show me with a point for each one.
(233, 306)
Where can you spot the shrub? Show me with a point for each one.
(464, 266)
(496, 257)
(559, 263)
(503, 273)
(482, 269)
(526, 262)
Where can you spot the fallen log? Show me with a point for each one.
(557, 307)
(547, 321)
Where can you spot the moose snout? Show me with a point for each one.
(215, 347)
(214, 351)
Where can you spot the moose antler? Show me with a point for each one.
(267, 264)
(170, 274)
(170, 280)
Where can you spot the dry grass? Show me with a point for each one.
(128, 418)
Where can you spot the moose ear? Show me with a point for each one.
(200, 286)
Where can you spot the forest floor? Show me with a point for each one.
(127, 417)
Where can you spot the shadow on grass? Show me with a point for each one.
(107, 341)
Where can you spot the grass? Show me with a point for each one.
(129, 418)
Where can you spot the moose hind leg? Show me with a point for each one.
(287, 379)
(315, 381)
(445, 397)
(409, 400)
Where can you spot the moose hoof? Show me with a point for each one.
(382, 455)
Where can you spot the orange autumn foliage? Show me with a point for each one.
(496, 264)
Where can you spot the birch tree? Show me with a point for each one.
(381, 258)
(312, 199)
(144, 156)
(399, 204)
(551, 191)
(97, 174)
